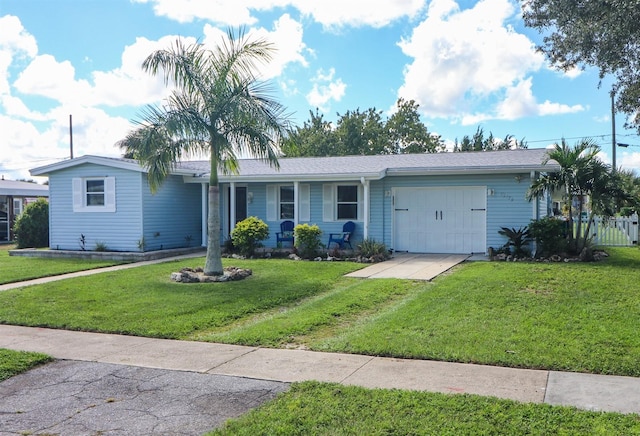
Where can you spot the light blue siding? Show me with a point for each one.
(506, 202)
(171, 216)
(118, 230)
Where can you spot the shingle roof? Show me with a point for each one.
(522, 160)
(347, 167)
(23, 189)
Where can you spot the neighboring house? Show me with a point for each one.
(14, 197)
(440, 203)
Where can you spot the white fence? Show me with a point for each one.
(614, 231)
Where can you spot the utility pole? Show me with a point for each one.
(70, 137)
(613, 130)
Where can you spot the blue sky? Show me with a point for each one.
(466, 63)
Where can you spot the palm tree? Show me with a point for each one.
(576, 165)
(218, 108)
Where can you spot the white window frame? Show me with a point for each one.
(292, 202)
(17, 211)
(330, 202)
(303, 209)
(80, 195)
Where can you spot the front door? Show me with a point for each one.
(4, 219)
(240, 208)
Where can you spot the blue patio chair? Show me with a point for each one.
(286, 232)
(343, 238)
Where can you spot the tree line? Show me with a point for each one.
(367, 132)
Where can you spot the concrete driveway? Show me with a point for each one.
(411, 266)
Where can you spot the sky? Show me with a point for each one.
(468, 64)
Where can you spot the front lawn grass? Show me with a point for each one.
(15, 362)
(18, 268)
(332, 409)
(145, 302)
(579, 317)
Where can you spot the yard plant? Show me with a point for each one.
(248, 234)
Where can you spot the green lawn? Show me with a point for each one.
(568, 316)
(15, 362)
(17, 268)
(332, 409)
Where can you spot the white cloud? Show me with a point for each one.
(322, 92)
(629, 160)
(520, 102)
(329, 13)
(15, 44)
(286, 39)
(462, 58)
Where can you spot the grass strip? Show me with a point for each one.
(332, 409)
(14, 362)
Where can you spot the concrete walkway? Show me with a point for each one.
(585, 391)
(411, 266)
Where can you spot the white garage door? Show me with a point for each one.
(440, 220)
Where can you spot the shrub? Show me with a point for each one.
(517, 239)
(307, 240)
(372, 249)
(31, 229)
(550, 235)
(248, 234)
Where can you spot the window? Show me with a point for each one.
(94, 194)
(287, 204)
(347, 202)
(17, 207)
(342, 202)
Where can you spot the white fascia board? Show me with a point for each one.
(286, 178)
(97, 160)
(467, 170)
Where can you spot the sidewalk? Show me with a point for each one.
(585, 391)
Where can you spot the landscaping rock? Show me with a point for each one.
(196, 275)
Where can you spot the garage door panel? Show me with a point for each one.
(440, 220)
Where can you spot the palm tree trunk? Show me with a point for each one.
(213, 262)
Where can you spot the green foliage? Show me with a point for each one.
(217, 108)
(315, 408)
(364, 133)
(15, 362)
(371, 248)
(307, 240)
(248, 234)
(518, 239)
(31, 229)
(479, 143)
(550, 235)
(101, 246)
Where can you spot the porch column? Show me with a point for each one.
(232, 206)
(536, 205)
(205, 200)
(365, 207)
(296, 202)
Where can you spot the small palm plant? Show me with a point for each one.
(518, 239)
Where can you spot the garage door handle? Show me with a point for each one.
(478, 209)
(402, 209)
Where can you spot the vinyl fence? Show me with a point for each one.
(614, 231)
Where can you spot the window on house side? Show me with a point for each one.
(347, 202)
(95, 192)
(287, 205)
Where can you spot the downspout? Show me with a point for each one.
(232, 206)
(365, 204)
(296, 202)
(203, 218)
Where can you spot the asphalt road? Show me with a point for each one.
(68, 397)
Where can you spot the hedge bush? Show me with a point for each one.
(248, 234)
(31, 229)
(307, 240)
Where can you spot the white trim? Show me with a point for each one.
(79, 194)
(204, 191)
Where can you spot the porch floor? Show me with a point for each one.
(412, 266)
